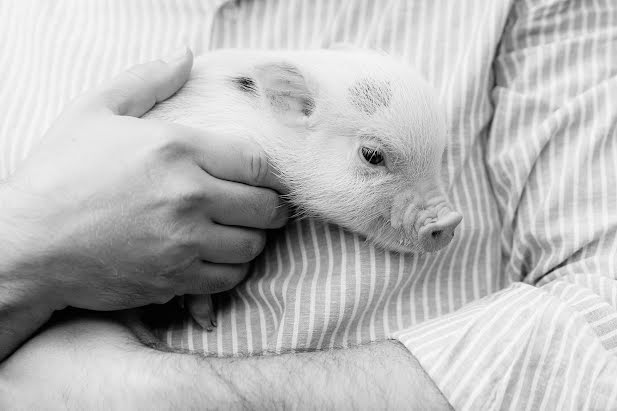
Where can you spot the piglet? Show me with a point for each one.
(356, 138)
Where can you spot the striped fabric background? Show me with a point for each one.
(529, 87)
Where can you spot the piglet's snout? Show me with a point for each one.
(437, 234)
(429, 221)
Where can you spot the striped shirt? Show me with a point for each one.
(520, 311)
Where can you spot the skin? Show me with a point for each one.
(113, 212)
(94, 362)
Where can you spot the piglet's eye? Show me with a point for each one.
(372, 156)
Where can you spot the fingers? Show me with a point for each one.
(201, 309)
(231, 245)
(234, 158)
(241, 205)
(209, 278)
(138, 89)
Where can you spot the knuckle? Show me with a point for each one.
(138, 72)
(187, 237)
(145, 73)
(165, 142)
(177, 256)
(168, 146)
(188, 197)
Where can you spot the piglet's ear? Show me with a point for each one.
(286, 92)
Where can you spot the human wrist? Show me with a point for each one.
(25, 280)
(27, 300)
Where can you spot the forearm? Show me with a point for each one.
(381, 375)
(96, 357)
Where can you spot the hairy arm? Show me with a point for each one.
(84, 362)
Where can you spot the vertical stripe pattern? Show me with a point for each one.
(333, 289)
(520, 311)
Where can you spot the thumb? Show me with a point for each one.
(138, 89)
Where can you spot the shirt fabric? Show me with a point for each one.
(520, 310)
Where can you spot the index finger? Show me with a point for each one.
(234, 158)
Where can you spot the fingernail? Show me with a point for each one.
(177, 54)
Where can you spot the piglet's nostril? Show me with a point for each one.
(438, 234)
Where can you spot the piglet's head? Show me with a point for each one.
(359, 142)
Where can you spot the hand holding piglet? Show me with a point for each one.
(113, 211)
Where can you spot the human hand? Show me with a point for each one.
(114, 212)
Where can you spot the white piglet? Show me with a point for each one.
(355, 136)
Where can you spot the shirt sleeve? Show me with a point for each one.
(548, 341)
